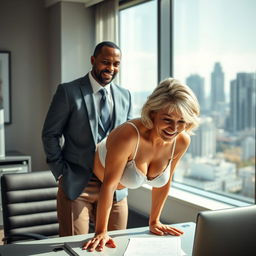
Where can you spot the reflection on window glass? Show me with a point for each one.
(138, 41)
(215, 53)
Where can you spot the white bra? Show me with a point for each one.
(132, 176)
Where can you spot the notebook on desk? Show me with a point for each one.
(229, 232)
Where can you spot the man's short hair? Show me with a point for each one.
(102, 44)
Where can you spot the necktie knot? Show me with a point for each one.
(103, 93)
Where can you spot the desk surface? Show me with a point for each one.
(45, 247)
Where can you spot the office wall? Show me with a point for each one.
(23, 31)
(72, 40)
(54, 39)
(77, 40)
(37, 37)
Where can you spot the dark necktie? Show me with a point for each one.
(104, 110)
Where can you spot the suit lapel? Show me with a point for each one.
(87, 92)
(117, 103)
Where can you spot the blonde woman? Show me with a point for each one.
(145, 151)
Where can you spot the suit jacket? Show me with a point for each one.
(73, 114)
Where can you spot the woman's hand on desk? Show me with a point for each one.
(161, 229)
(98, 242)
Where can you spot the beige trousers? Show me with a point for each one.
(74, 216)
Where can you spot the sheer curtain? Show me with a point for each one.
(107, 21)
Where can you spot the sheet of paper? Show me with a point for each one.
(152, 246)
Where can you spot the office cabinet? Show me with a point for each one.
(15, 164)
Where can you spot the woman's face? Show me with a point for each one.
(168, 124)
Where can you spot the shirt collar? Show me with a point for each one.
(96, 86)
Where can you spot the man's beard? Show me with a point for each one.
(103, 80)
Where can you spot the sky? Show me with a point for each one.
(206, 32)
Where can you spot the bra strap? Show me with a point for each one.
(138, 142)
(173, 148)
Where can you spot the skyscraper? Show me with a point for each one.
(203, 143)
(242, 102)
(248, 148)
(217, 88)
(196, 83)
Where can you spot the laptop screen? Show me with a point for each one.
(228, 232)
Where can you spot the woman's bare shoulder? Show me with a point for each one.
(184, 138)
(124, 135)
(182, 143)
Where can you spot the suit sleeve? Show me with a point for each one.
(55, 122)
(130, 111)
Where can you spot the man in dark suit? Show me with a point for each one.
(75, 113)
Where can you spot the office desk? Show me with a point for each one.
(45, 247)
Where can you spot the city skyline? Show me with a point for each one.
(205, 33)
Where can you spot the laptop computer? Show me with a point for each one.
(228, 232)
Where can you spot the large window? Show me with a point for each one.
(138, 41)
(214, 53)
(213, 50)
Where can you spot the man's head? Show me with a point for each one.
(105, 62)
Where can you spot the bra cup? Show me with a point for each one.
(131, 178)
(160, 180)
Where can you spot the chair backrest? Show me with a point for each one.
(29, 203)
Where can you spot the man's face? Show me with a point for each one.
(106, 65)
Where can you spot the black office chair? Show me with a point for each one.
(29, 206)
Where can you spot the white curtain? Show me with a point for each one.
(107, 21)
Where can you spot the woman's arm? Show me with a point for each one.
(103, 210)
(120, 146)
(159, 195)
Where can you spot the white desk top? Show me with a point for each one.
(45, 247)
